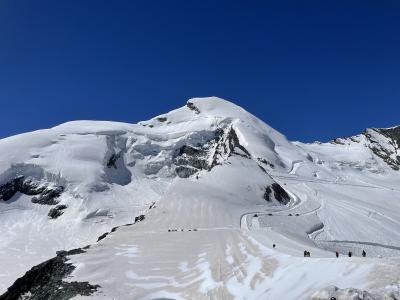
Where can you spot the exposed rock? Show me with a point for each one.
(161, 119)
(234, 144)
(190, 160)
(9, 189)
(45, 194)
(112, 160)
(262, 169)
(48, 196)
(227, 144)
(387, 151)
(185, 172)
(192, 157)
(193, 107)
(45, 281)
(137, 219)
(278, 192)
(392, 133)
(57, 211)
(224, 143)
(31, 187)
(383, 142)
(266, 162)
(338, 141)
(103, 236)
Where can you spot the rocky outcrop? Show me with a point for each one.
(225, 143)
(48, 196)
(383, 142)
(57, 211)
(9, 189)
(139, 218)
(266, 162)
(190, 160)
(46, 281)
(162, 119)
(275, 191)
(111, 163)
(386, 146)
(44, 193)
(193, 107)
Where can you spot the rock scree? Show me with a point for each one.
(45, 281)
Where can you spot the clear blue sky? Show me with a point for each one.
(313, 70)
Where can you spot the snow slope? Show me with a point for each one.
(204, 191)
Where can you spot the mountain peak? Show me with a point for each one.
(214, 106)
(200, 175)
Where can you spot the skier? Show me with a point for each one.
(364, 254)
(337, 254)
(273, 245)
(350, 254)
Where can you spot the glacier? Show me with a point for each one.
(204, 202)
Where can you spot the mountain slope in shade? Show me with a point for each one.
(187, 205)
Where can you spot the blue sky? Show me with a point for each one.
(313, 70)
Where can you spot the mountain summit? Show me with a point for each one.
(205, 201)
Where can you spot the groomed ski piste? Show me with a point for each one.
(189, 204)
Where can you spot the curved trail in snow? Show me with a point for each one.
(324, 181)
(297, 203)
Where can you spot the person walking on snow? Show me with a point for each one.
(337, 254)
(364, 254)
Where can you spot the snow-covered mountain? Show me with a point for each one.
(189, 204)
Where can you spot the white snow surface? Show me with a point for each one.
(210, 235)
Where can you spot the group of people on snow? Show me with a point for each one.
(350, 254)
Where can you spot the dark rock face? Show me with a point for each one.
(392, 133)
(227, 144)
(103, 236)
(48, 196)
(266, 162)
(193, 107)
(112, 160)
(161, 119)
(45, 281)
(278, 192)
(44, 194)
(233, 142)
(189, 159)
(386, 153)
(9, 189)
(57, 211)
(139, 218)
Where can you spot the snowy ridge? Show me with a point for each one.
(187, 205)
